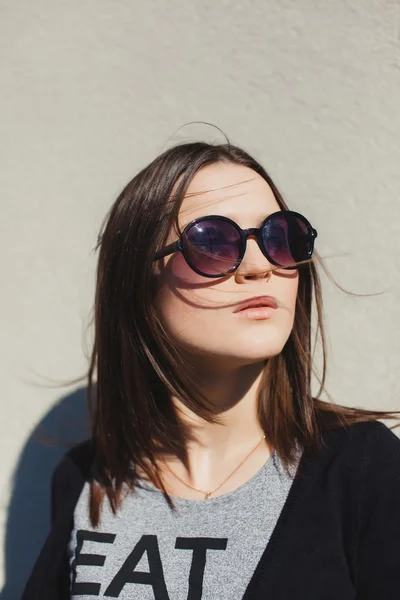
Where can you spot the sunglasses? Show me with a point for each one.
(214, 246)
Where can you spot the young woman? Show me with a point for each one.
(212, 473)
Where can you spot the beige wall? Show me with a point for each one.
(92, 91)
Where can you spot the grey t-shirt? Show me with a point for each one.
(208, 550)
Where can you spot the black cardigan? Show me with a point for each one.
(337, 537)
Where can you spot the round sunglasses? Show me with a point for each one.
(214, 246)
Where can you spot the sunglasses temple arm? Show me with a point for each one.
(174, 247)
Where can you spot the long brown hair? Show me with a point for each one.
(138, 366)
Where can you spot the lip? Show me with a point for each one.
(255, 314)
(260, 302)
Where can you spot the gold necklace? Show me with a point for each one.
(208, 494)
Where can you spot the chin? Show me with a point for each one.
(264, 347)
(238, 350)
(252, 358)
(244, 354)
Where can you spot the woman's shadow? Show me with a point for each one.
(28, 520)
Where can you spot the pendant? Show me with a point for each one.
(207, 495)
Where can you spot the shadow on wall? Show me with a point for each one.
(28, 519)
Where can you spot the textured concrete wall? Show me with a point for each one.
(91, 91)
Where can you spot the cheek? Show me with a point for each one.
(176, 274)
(184, 317)
(287, 293)
(182, 297)
(291, 291)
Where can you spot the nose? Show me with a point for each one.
(255, 264)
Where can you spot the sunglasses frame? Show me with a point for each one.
(256, 232)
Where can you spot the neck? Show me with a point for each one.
(233, 394)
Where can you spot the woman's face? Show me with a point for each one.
(198, 312)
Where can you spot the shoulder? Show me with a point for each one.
(370, 447)
(377, 435)
(380, 450)
(76, 462)
(355, 435)
(70, 474)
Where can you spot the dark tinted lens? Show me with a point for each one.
(213, 246)
(287, 239)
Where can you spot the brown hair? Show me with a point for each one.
(138, 366)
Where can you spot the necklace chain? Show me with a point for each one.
(208, 494)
